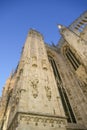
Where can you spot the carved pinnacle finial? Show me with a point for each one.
(59, 26)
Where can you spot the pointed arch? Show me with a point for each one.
(71, 57)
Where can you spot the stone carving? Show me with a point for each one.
(51, 121)
(44, 64)
(34, 61)
(15, 100)
(44, 121)
(36, 120)
(34, 84)
(47, 88)
(48, 92)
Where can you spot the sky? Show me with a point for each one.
(18, 16)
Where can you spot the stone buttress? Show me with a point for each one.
(35, 102)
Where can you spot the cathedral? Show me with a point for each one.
(48, 89)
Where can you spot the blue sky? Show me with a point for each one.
(18, 16)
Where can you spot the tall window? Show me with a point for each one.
(72, 58)
(64, 98)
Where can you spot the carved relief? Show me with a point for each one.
(34, 85)
(48, 92)
(44, 64)
(36, 120)
(34, 61)
(47, 88)
(15, 100)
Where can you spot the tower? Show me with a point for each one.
(35, 102)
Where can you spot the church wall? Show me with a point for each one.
(71, 84)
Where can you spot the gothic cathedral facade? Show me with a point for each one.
(48, 90)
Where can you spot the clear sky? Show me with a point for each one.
(18, 16)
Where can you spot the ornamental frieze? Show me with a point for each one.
(41, 120)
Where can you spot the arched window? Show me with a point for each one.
(64, 98)
(72, 58)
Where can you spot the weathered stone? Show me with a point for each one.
(48, 90)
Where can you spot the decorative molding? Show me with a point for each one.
(41, 120)
(37, 120)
